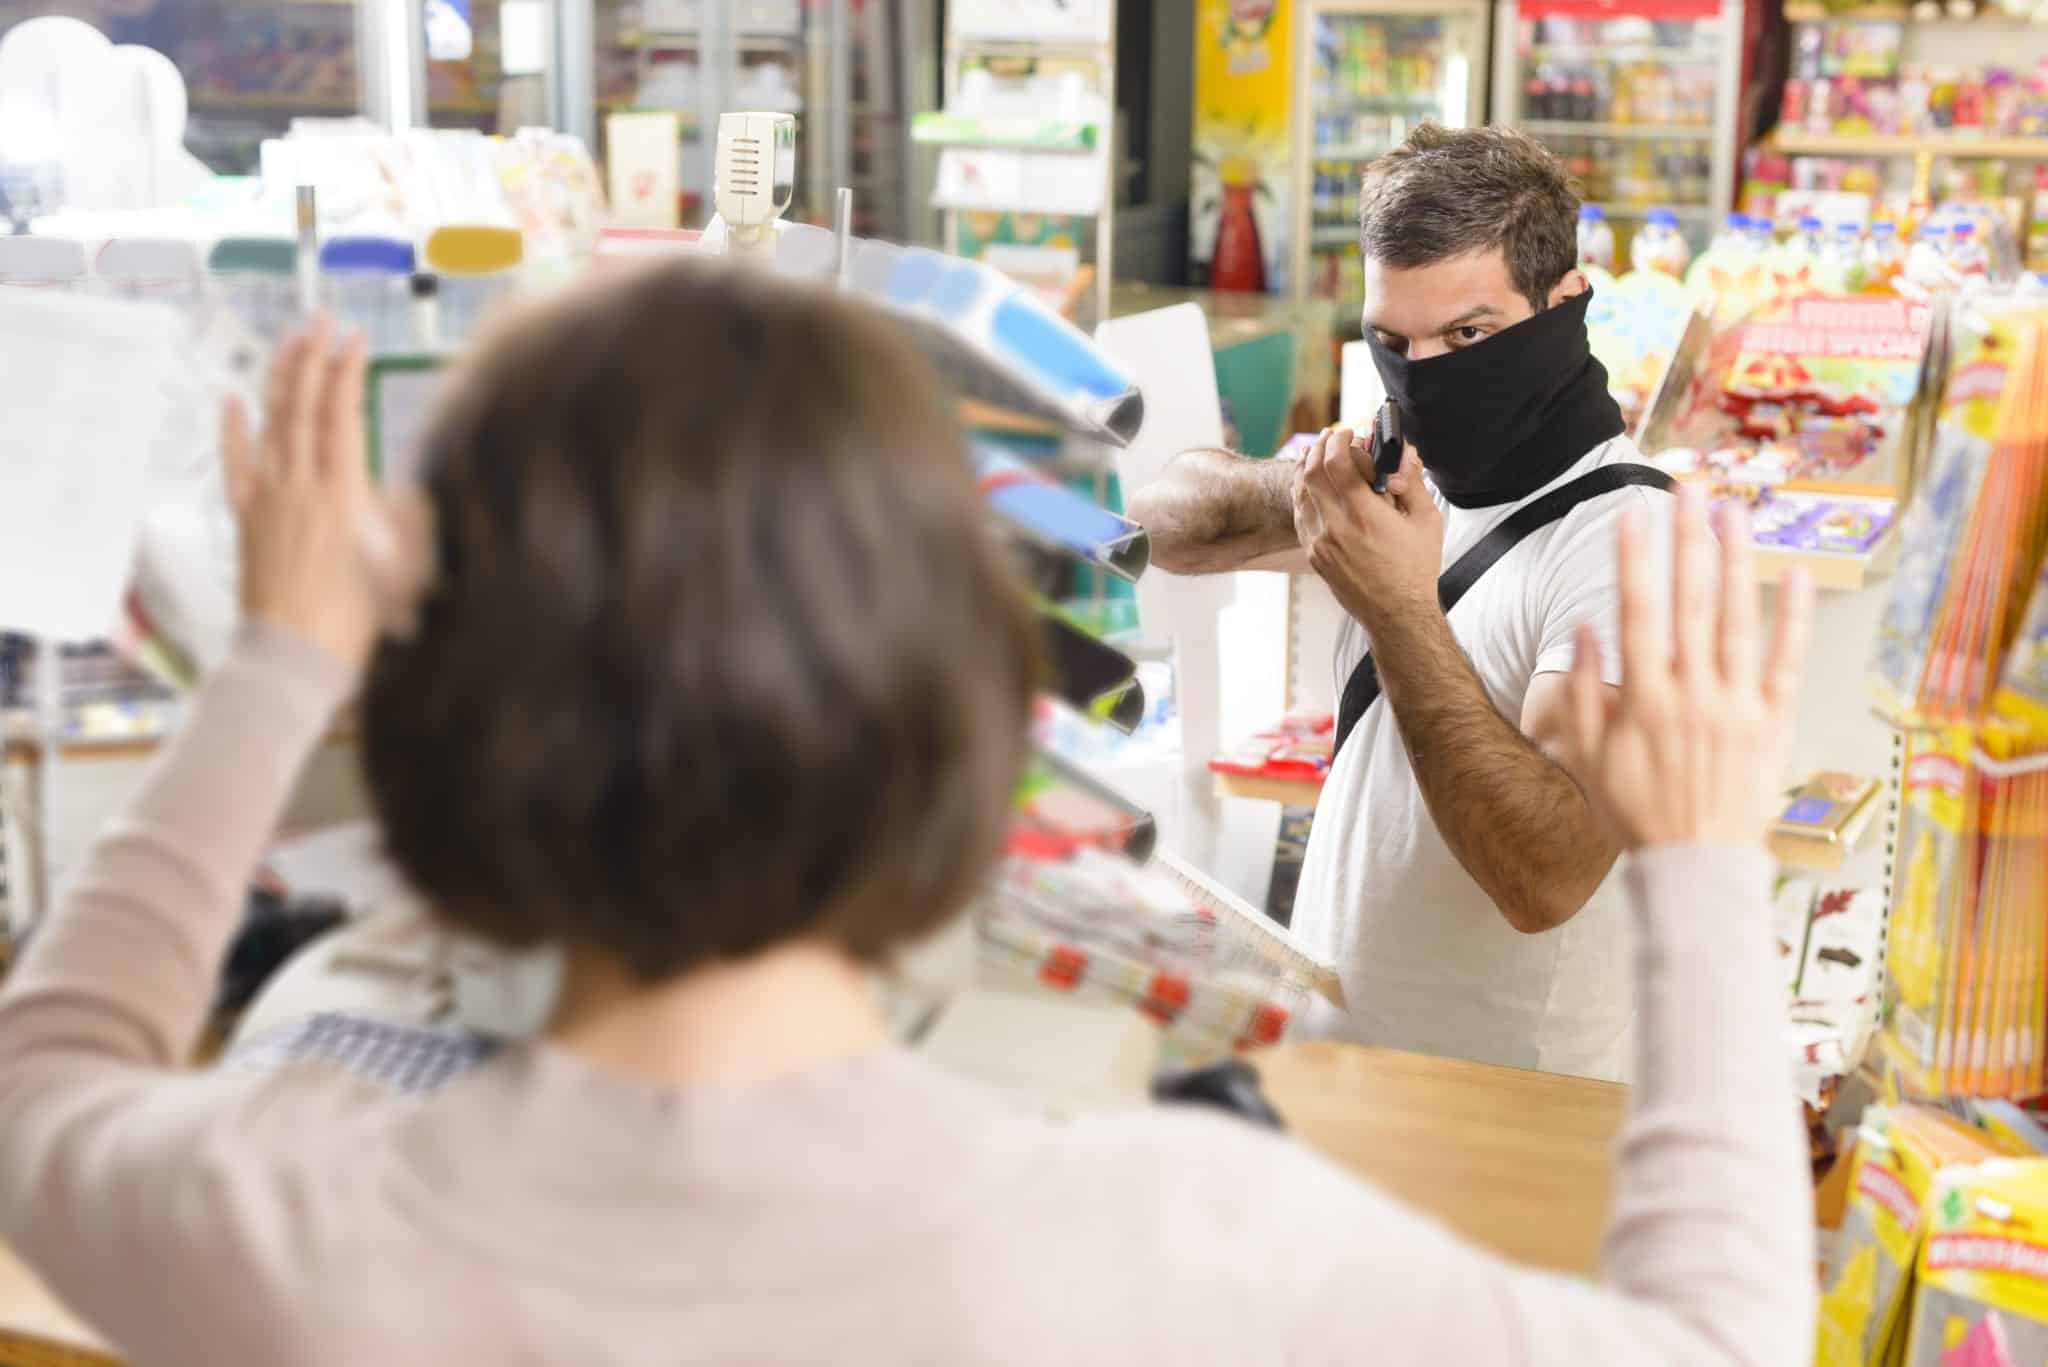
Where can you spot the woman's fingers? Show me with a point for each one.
(341, 456)
(1695, 587)
(1588, 699)
(1788, 645)
(237, 457)
(300, 455)
(1740, 648)
(1645, 610)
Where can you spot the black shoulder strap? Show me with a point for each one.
(1363, 687)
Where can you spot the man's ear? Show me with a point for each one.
(1574, 284)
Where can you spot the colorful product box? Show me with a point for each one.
(1982, 1293)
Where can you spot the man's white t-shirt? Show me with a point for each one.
(1428, 962)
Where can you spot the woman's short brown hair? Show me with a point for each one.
(720, 651)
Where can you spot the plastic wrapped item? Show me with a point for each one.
(1596, 238)
(1659, 246)
(1982, 1293)
(1105, 929)
(1900, 1150)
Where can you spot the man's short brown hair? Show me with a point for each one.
(1449, 192)
(721, 651)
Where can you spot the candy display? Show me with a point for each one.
(1815, 389)
(1982, 1293)
(1298, 749)
(1849, 78)
(1899, 1161)
(1210, 972)
(1829, 937)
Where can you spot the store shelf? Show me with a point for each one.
(1335, 235)
(1432, 103)
(1807, 14)
(1844, 573)
(1351, 151)
(1826, 856)
(1290, 792)
(937, 128)
(274, 104)
(1616, 209)
(1572, 128)
(1908, 145)
(751, 44)
(1540, 53)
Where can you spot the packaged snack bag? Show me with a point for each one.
(1982, 1297)
(1899, 1151)
(2021, 701)
(1923, 945)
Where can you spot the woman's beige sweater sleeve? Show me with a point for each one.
(103, 1144)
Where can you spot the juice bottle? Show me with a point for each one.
(1966, 254)
(1838, 268)
(1596, 238)
(1881, 259)
(1659, 246)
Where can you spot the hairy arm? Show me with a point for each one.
(1210, 512)
(1518, 822)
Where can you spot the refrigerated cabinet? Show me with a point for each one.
(1371, 72)
(1639, 98)
(840, 66)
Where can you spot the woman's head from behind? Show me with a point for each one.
(719, 653)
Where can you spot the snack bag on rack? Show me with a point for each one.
(1899, 1151)
(1928, 537)
(1982, 1295)
(1633, 329)
(1923, 945)
(2022, 697)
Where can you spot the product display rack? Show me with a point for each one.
(983, 35)
(1368, 71)
(1640, 98)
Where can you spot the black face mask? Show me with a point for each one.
(1497, 421)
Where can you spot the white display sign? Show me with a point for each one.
(101, 400)
(1043, 21)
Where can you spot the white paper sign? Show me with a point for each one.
(93, 391)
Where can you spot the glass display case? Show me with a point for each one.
(250, 66)
(836, 64)
(1638, 97)
(1374, 69)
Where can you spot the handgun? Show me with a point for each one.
(1387, 445)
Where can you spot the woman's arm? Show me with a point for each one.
(1709, 1251)
(109, 996)
(127, 967)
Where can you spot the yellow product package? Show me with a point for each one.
(1923, 946)
(1898, 1152)
(1982, 1295)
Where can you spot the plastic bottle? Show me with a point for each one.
(1966, 254)
(1733, 239)
(1836, 265)
(1808, 239)
(1659, 246)
(1880, 260)
(1927, 269)
(1596, 238)
(1762, 237)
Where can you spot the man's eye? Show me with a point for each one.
(1466, 336)
(1397, 345)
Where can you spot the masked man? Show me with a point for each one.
(1454, 871)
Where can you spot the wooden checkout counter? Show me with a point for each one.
(1517, 1162)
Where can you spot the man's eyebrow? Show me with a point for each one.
(1479, 314)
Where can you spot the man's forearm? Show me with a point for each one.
(1211, 511)
(1516, 821)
